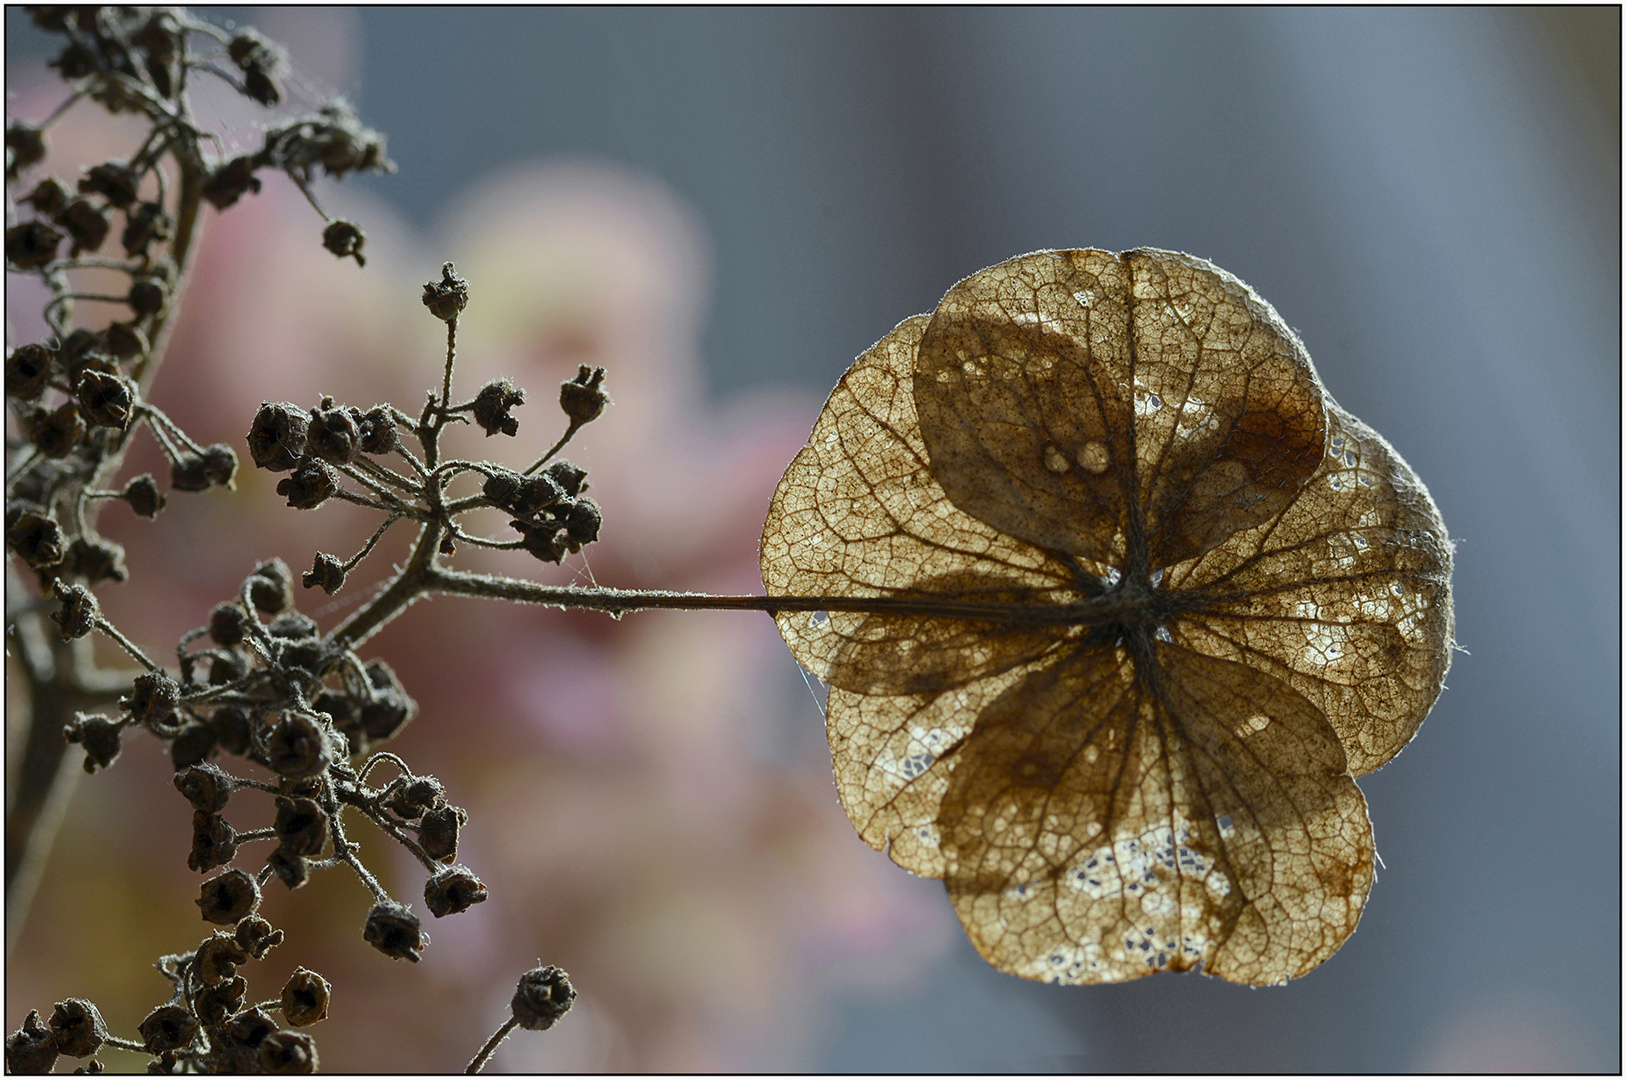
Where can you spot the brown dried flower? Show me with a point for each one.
(1164, 600)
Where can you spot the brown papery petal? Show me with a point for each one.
(1346, 595)
(1101, 828)
(1022, 386)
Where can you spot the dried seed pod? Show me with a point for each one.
(395, 931)
(305, 998)
(447, 297)
(276, 439)
(228, 898)
(28, 369)
(205, 786)
(143, 496)
(543, 996)
(438, 831)
(298, 746)
(301, 825)
(214, 842)
(104, 399)
(288, 1053)
(310, 485)
(85, 222)
(333, 434)
(101, 738)
(1185, 599)
(291, 869)
(257, 936)
(31, 1048)
(492, 406)
(78, 1028)
(451, 890)
(271, 587)
(345, 239)
(218, 957)
(32, 244)
(36, 538)
(326, 571)
(168, 1027)
(583, 398)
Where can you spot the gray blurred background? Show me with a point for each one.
(1431, 197)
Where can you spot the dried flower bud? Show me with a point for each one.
(78, 1027)
(276, 439)
(537, 493)
(412, 796)
(228, 623)
(153, 697)
(292, 870)
(231, 724)
(583, 522)
(298, 746)
(216, 466)
(333, 434)
(452, 890)
(206, 787)
(390, 708)
(32, 244)
(310, 485)
(250, 1028)
(85, 222)
(218, 957)
(74, 354)
(96, 559)
(148, 296)
(492, 405)
(79, 611)
(48, 196)
(102, 739)
(257, 936)
(582, 398)
(125, 340)
(115, 181)
(32, 1048)
(145, 224)
(25, 146)
(216, 1003)
(143, 496)
(57, 432)
(568, 476)
(168, 1027)
(301, 825)
(305, 998)
(541, 540)
(327, 571)
(232, 181)
(394, 930)
(106, 400)
(293, 626)
(193, 745)
(227, 898)
(447, 297)
(438, 832)
(271, 587)
(377, 431)
(288, 1053)
(543, 996)
(214, 842)
(345, 238)
(28, 369)
(36, 538)
(261, 85)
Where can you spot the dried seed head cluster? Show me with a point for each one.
(1171, 600)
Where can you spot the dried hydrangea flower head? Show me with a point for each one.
(1156, 601)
